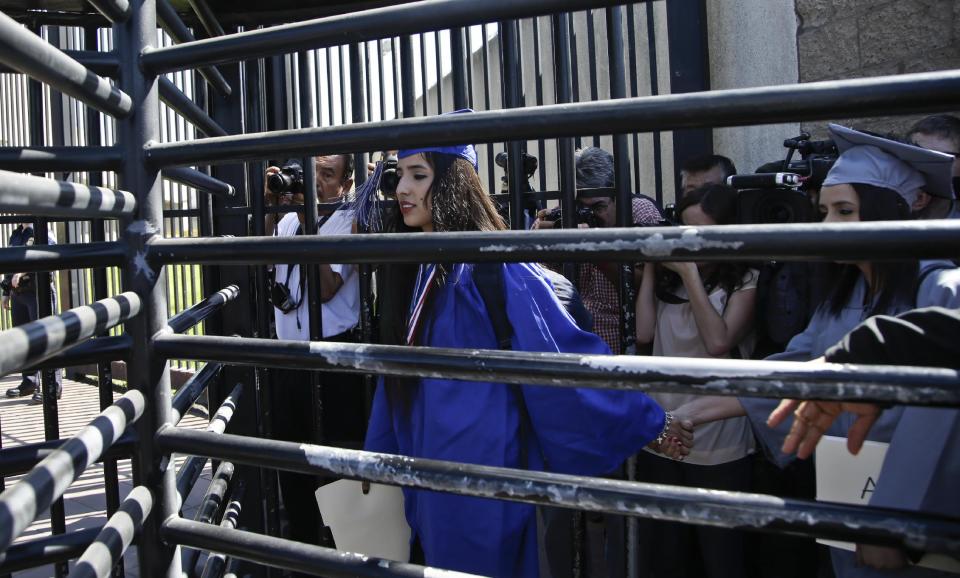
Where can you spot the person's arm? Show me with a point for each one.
(330, 282)
(647, 306)
(720, 333)
(709, 408)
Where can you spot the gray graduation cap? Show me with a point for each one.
(935, 168)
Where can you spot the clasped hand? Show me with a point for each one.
(677, 441)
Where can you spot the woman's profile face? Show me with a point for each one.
(413, 191)
(839, 204)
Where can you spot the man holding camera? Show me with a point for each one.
(598, 282)
(20, 298)
(294, 416)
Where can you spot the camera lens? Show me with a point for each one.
(278, 183)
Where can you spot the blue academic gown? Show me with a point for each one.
(922, 467)
(577, 431)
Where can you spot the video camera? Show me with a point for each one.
(779, 192)
(289, 181)
(388, 177)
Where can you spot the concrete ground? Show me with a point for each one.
(85, 501)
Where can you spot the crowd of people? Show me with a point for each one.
(683, 309)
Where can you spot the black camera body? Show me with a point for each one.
(584, 215)
(786, 200)
(289, 181)
(282, 299)
(388, 177)
(6, 286)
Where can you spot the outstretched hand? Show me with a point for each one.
(813, 418)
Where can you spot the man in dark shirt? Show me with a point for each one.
(20, 298)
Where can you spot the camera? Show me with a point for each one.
(6, 286)
(388, 178)
(584, 215)
(288, 181)
(529, 166)
(282, 299)
(780, 191)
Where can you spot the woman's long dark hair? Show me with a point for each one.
(457, 203)
(719, 202)
(893, 281)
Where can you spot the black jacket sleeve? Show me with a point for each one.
(922, 337)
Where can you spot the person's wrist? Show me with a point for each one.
(665, 432)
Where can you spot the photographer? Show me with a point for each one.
(941, 133)
(703, 310)
(20, 298)
(597, 282)
(704, 170)
(293, 414)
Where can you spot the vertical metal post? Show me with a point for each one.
(409, 95)
(628, 336)
(538, 79)
(423, 75)
(592, 64)
(568, 191)
(486, 104)
(99, 281)
(357, 108)
(51, 415)
(458, 68)
(689, 72)
(654, 91)
(632, 75)
(147, 372)
(574, 68)
(438, 58)
(513, 99)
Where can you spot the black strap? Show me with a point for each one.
(488, 278)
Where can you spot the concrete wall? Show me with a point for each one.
(862, 38)
(752, 43)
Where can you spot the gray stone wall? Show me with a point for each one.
(839, 39)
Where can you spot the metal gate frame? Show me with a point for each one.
(149, 413)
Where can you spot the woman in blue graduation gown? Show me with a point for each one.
(576, 431)
(875, 179)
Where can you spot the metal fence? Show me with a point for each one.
(142, 424)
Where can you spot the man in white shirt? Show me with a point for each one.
(341, 395)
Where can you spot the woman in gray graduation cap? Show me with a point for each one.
(875, 179)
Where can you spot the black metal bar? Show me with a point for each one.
(512, 87)
(189, 317)
(21, 503)
(102, 63)
(213, 503)
(216, 561)
(190, 471)
(20, 459)
(206, 17)
(914, 386)
(592, 64)
(116, 11)
(565, 153)
(33, 342)
(176, 99)
(407, 77)
(47, 550)
(926, 532)
(145, 375)
(883, 241)
(62, 159)
(57, 257)
(190, 391)
(199, 180)
(689, 63)
(26, 52)
(655, 91)
(933, 91)
(99, 349)
(177, 30)
(296, 556)
(357, 105)
(116, 536)
(349, 28)
(47, 197)
(438, 68)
